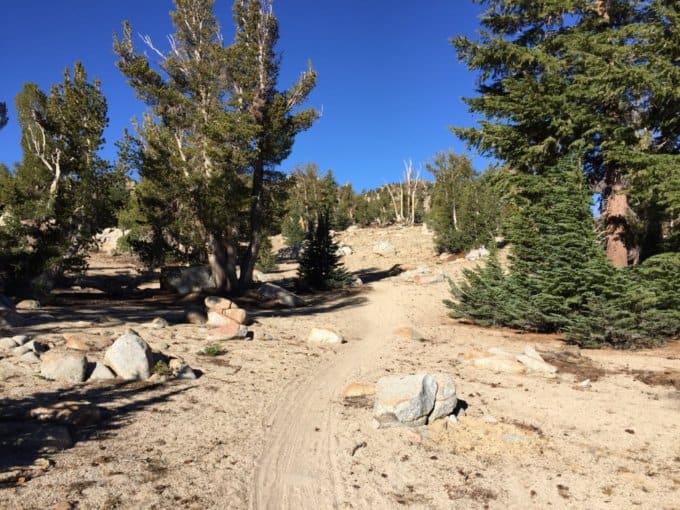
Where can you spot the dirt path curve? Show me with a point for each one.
(298, 467)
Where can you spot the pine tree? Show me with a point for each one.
(596, 77)
(62, 192)
(559, 279)
(464, 211)
(215, 131)
(253, 64)
(320, 266)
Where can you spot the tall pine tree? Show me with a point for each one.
(215, 130)
(594, 76)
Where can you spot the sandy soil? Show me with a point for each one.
(265, 426)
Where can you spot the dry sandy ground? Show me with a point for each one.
(266, 426)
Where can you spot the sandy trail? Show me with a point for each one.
(298, 467)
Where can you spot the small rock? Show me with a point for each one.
(411, 274)
(283, 297)
(28, 304)
(21, 349)
(384, 248)
(584, 384)
(358, 390)
(343, 251)
(66, 366)
(499, 364)
(229, 332)
(20, 339)
(129, 357)
(537, 366)
(158, 323)
(30, 358)
(82, 342)
(236, 314)
(8, 343)
(356, 282)
(404, 400)
(219, 303)
(180, 369)
(324, 336)
(487, 418)
(101, 373)
(217, 320)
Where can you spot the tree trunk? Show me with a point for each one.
(256, 212)
(616, 226)
(223, 270)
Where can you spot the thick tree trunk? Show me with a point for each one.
(616, 226)
(223, 269)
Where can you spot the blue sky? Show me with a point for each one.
(389, 84)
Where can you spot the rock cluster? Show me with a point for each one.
(413, 400)
(225, 319)
(129, 358)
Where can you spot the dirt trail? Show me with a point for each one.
(298, 468)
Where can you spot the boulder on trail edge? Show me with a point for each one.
(185, 280)
(413, 400)
(404, 400)
(384, 248)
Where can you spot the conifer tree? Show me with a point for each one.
(253, 64)
(596, 77)
(320, 266)
(62, 192)
(465, 210)
(215, 131)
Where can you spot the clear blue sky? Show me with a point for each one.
(389, 84)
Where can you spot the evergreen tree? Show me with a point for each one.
(215, 130)
(598, 77)
(559, 278)
(465, 210)
(62, 192)
(320, 266)
(254, 68)
(309, 195)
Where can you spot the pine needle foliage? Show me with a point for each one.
(559, 279)
(320, 266)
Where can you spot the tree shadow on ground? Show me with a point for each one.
(317, 303)
(373, 274)
(23, 439)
